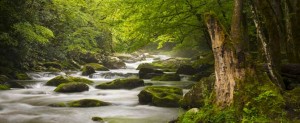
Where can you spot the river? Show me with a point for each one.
(30, 105)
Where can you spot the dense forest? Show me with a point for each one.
(242, 56)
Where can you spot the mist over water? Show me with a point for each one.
(30, 105)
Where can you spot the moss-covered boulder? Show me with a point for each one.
(87, 70)
(171, 64)
(4, 87)
(127, 83)
(67, 79)
(145, 65)
(148, 73)
(186, 69)
(167, 77)
(81, 103)
(53, 65)
(97, 67)
(197, 77)
(98, 119)
(114, 63)
(195, 98)
(22, 76)
(72, 87)
(161, 96)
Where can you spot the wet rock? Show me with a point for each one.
(148, 73)
(161, 96)
(127, 83)
(114, 63)
(81, 103)
(72, 87)
(87, 70)
(145, 65)
(171, 64)
(195, 97)
(167, 77)
(67, 79)
(22, 76)
(98, 119)
(186, 69)
(97, 67)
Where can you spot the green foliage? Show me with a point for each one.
(4, 87)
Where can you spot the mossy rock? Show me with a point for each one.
(4, 87)
(197, 77)
(171, 64)
(52, 69)
(87, 70)
(127, 83)
(195, 98)
(22, 76)
(67, 79)
(98, 119)
(72, 87)
(292, 99)
(167, 77)
(81, 103)
(97, 67)
(148, 73)
(186, 69)
(145, 65)
(53, 65)
(161, 96)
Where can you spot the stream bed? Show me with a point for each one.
(30, 105)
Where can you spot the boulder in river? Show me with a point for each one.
(81, 103)
(161, 96)
(167, 77)
(22, 76)
(67, 79)
(87, 70)
(148, 73)
(199, 92)
(186, 69)
(72, 87)
(126, 83)
(98, 119)
(114, 63)
(145, 65)
(97, 67)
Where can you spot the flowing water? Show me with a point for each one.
(30, 105)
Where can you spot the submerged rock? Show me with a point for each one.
(87, 70)
(148, 73)
(127, 83)
(196, 96)
(161, 96)
(72, 87)
(67, 79)
(98, 119)
(167, 77)
(186, 69)
(81, 103)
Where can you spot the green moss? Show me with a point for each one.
(145, 65)
(97, 67)
(66, 79)
(161, 96)
(166, 77)
(98, 119)
(171, 64)
(292, 98)
(87, 103)
(81, 103)
(52, 69)
(72, 87)
(127, 83)
(4, 87)
(22, 76)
